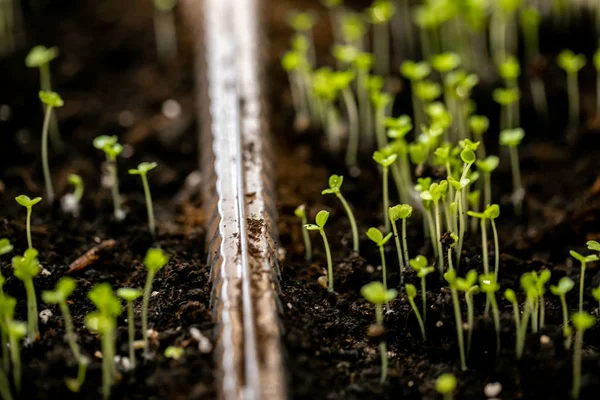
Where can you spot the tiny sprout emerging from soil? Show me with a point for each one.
(154, 261)
(411, 293)
(572, 63)
(487, 166)
(72, 200)
(174, 352)
(420, 264)
(488, 285)
(26, 268)
(112, 149)
(28, 203)
(469, 287)
(377, 294)
(582, 321)
(512, 138)
(300, 212)
(446, 385)
(450, 277)
(583, 260)
(565, 284)
(377, 237)
(64, 288)
(403, 212)
(511, 296)
(320, 221)
(335, 186)
(142, 170)
(385, 161)
(593, 245)
(130, 295)
(51, 100)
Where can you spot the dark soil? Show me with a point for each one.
(329, 353)
(112, 84)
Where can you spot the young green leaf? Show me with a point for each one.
(375, 293)
(445, 62)
(565, 284)
(512, 137)
(27, 202)
(383, 159)
(51, 99)
(570, 61)
(40, 55)
(129, 294)
(419, 262)
(593, 245)
(479, 124)
(64, 288)
(335, 184)
(400, 211)
(5, 246)
(174, 352)
(415, 71)
(445, 384)
(505, 97)
(143, 168)
(582, 321)
(583, 259)
(488, 164)
(155, 259)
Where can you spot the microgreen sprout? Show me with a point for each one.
(541, 281)
(512, 138)
(420, 264)
(70, 201)
(25, 268)
(403, 212)
(377, 294)
(459, 186)
(300, 212)
(434, 194)
(112, 149)
(64, 288)
(5, 246)
(469, 287)
(7, 312)
(303, 23)
(510, 70)
(335, 186)
(596, 295)
(446, 385)
(142, 170)
(377, 237)
(16, 332)
(380, 101)
(415, 72)
(104, 321)
(479, 124)
(565, 284)
(130, 295)
(583, 260)
(492, 212)
(411, 293)
(4, 303)
(51, 100)
(154, 261)
(380, 13)
(506, 98)
(488, 285)
(593, 245)
(319, 225)
(582, 321)
(511, 296)
(174, 352)
(572, 63)
(450, 277)
(28, 203)
(487, 166)
(385, 161)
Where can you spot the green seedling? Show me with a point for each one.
(64, 288)
(582, 321)
(336, 13)
(377, 294)
(510, 70)
(377, 237)
(319, 225)
(415, 72)
(294, 62)
(154, 261)
(112, 149)
(506, 98)
(174, 352)
(16, 331)
(583, 260)
(420, 264)
(379, 14)
(411, 293)
(385, 161)
(469, 287)
(403, 212)
(446, 385)
(104, 322)
(3, 327)
(342, 81)
(511, 296)
(427, 92)
(434, 194)
(450, 277)
(445, 62)
(130, 295)
(165, 32)
(596, 295)
(487, 166)
(512, 139)
(543, 278)
(300, 212)
(479, 124)
(363, 64)
(5, 246)
(303, 23)
(572, 63)
(71, 201)
(565, 284)
(335, 186)
(530, 287)
(142, 170)
(474, 200)
(28, 203)
(51, 100)
(9, 353)
(353, 28)
(459, 186)
(530, 22)
(491, 213)
(489, 286)
(593, 245)
(26, 268)
(381, 102)
(397, 129)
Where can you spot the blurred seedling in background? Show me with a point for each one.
(403, 212)
(300, 212)
(28, 203)
(446, 385)
(411, 293)
(51, 100)
(130, 295)
(379, 14)
(303, 23)
(421, 266)
(174, 352)
(385, 161)
(377, 237)
(571, 63)
(112, 149)
(565, 284)
(165, 32)
(154, 261)
(25, 268)
(583, 260)
(487, 166)
(319, 225)
(142, 170)
(512, 139)
(479, 124)
(71, 201)
(335, 186)
(489, 286)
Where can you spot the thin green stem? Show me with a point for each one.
(516, 178)
(32, 314)
(399, 252)
(438, 235)
(64, 309)
(459, 328)
(470, 318)
(383, 271)
(149, 206)
(386, 199)
(145, 302)
(515, 306)
(5, 386)
(329, 262)
(496, 250)
(45, 165)
(581, 283)
(382, 345)
(106, 369)
(353, 226)
(424, 298)
(577, 364)
(353, 126)
(524, 323)
(496, 316)
(15, 356)
(565, 315)
(419, 319)
(487, 188)
(29, 242)
(131, 327)
(307, 242)
(115, 189)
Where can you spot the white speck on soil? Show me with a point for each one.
(492, 389)
(45, 315)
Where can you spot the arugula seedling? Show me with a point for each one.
(572, 63)
(16, 332)
(479, 124)
(142, 170)
(565, 284)
(7, 312)
(420, 264)
(450, 277)
(512, 138)
(385, 161)
(582, 321)
(5, 247)
(319, 225)
(427, 92)
(506, 98)
(377, 237)
(415, 72)
(403, 212)
(459, 186)
(469, 287)
(335, 186)
(300, 212)
(130, 295)
(583, 260)
(511, 296)
(530, 23)
(51, 100)
(487, 166)
(510, 70)
(411, 293)
(379, 14)
(112, 149)
(154, 261)
(28, 203)
(489, 285)
(543, 278)
(26, 268)
(303, 23)
(71, 201)
(174, 352)
(491, 213)
(445, 385)
(381, 102)
(377, 294)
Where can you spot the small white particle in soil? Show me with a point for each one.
(45, 272)
(411, 383)
(439, 324)
(138, 344)
(289, 305)
(98, 354)
(126, 118)
(370, 269)
(492, 389)
(154, 293)
(171, 109)
(45, 315)
(125, 363)
(544, 339)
